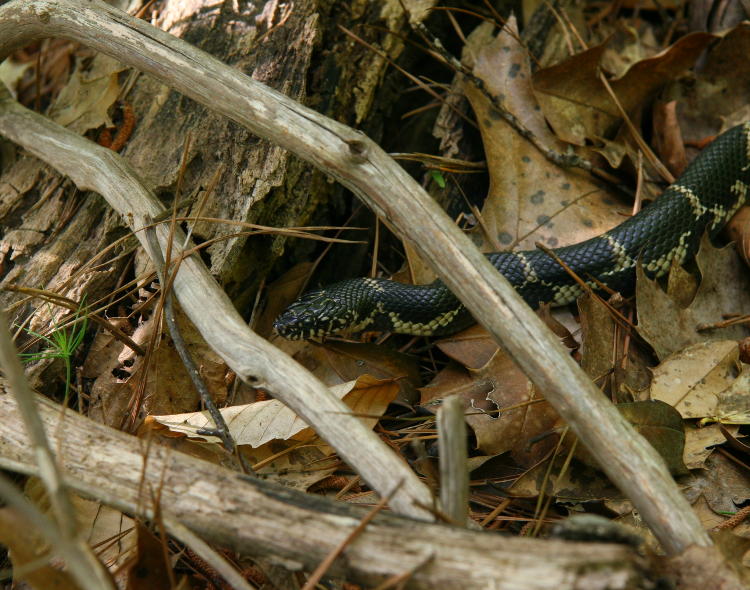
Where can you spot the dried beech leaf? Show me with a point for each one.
(84, 103)
(670, 323)
(699, 440)
(692, 379)
(257, 423)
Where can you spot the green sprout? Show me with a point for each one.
(61, 344)
(438, 177)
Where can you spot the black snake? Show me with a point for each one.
(701, 201)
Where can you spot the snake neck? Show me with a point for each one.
(420, 310)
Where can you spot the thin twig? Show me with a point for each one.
(650, 155)
(221, 430)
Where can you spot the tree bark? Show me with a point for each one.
(300, 52)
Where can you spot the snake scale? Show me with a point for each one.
(701, 201)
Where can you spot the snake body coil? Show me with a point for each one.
(701, 201)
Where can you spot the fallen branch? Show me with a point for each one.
(299, 530)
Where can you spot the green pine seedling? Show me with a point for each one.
(61, 344)
(438, 177)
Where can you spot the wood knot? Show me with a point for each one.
(357, 148)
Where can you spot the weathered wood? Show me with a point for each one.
(454, 470)
(298, 530)
(358, 163)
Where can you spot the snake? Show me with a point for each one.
(666, 232)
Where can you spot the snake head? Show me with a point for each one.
(321, 312)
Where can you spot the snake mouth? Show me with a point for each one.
(292, 327)
(287, 327)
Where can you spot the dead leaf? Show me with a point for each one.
(709, 519)
(26, 546)
(733, 404)
(604, 344)
(291, 464)
(660, 425)
(502, 407)
(578, 106)
(625, 46)
(108, 531)
(700, 567)
(739, 232)
(690, 379)
(710, 98)
(280, 294)
(168, 389)
(579, 482)
(93, 88)
(698, 440)
(335, 362)
(257, 423)
(148, 570)
(724, 485)
(599, 336)
(530, 200)
(12, 72)
(668, 142)
(732, 440)
(673, 320)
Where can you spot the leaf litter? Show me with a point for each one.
(515, 434)
(695, 378)
(672, 316)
